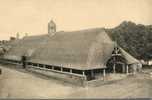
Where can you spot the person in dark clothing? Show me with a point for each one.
(0, 71)
(24, 61)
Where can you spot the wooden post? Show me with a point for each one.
(85, 78)
(127, 69)
(114, 65)
(92, 73)
(52, 67)
(134, 69)
(83, 73)
(61, 69)
(114, 68)
(104, 74)
(123, 68)
(70, 70)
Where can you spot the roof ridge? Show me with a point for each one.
(87, 29)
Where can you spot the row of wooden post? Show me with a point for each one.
(92, 74)
(114, 69)
(83, 72)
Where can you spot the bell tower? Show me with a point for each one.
(51, 27)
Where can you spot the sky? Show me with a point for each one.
(32, 16)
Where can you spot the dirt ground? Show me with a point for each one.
(21, 84)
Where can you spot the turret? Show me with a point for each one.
(51, 27)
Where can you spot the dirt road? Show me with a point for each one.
(17, 84)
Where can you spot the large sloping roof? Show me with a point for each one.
(129, 58)
(84, 49)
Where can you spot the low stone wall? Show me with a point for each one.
(63, 76)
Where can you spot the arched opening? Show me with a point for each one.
(117, 63)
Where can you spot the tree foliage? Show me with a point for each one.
(134, 38)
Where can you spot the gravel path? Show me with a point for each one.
(18, 84)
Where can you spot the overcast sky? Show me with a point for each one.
(32, 16)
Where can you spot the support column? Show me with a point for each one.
(85, 78)
(70, 70)
(52, 67)
(114, 68)
(134, 69)
(127, 69)
(104, 74)
(92, 73)
(61, 69)
(123, 68)
(114, 65)
(83, 73)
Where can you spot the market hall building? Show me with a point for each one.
(74, 56)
